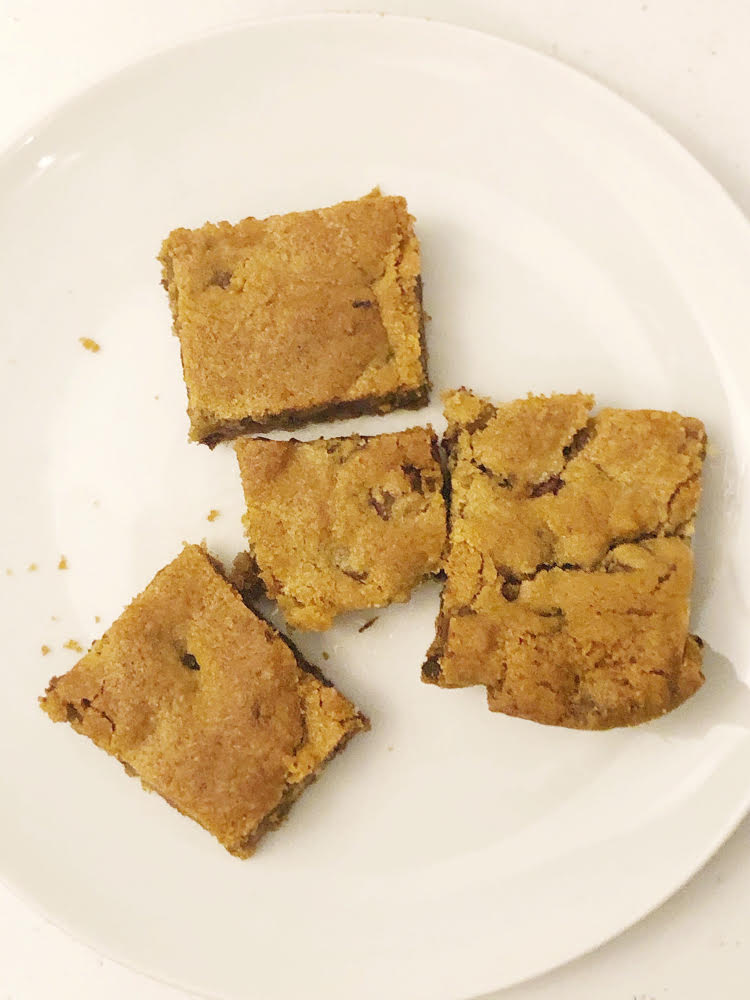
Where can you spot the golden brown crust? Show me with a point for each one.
(569, 569)
(342, 523)
(205, 702)
(295, 316)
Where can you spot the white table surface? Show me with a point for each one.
(685, 62)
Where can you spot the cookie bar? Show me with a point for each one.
(343, 523)
(569, 567)
(308, 316)
(206, 703)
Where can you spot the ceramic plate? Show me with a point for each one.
(568, 243)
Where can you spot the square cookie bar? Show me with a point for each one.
(307, 316)
(569, 567)
(206, 703)
(343, 523)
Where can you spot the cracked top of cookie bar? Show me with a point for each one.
(300, 316)
(568, 568)
(343, 523)
(206, 703)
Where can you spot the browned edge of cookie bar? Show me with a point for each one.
(292, 792)
(442, 457)
(407, 399)
(275, 818)
(447, 449)
(245, 577)
(249, 596)
(423, 355)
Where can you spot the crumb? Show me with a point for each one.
(97, 618)
(325, 656)
(95, 503)
(45, 650)
(9, 572)
(212, 515)
(63, 564)
(72, 644)
(389, 749)
(32, 568)
(54, 618)
(156, 397)
(367, 624)
(89, 344)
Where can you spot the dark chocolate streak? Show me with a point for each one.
(411, 399)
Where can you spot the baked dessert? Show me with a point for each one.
(339, 524)
(206, 703)
(569, 568)
(307, 316)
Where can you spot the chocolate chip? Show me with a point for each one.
(450, 440)
(368, 624)
(359, 577)
(511, 589)
(414, 475)
(552, 485)
(383, 504)
(431, 670)
(504, 482)
(613, 566)
(362, 304)
(190, 662)
(221, 278)
(578, 443)
(480, 422)
(72, 713)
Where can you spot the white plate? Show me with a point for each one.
(567, 243)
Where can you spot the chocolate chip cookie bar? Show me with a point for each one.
(308, 316)
(569, 566)
(341, 524)
(206, 703)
